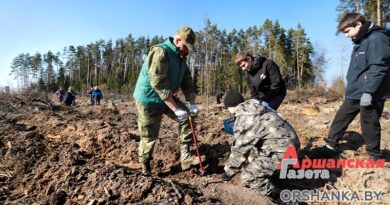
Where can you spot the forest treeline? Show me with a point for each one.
(116, 64)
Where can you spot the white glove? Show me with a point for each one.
(194, 109)
(263, 103)
(366, 100)
(181, 114)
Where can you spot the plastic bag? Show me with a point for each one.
(228, 125)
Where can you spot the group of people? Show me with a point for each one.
(95, 95)
(257, 126)
(68, 97)
(261, 136)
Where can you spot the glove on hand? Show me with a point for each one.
(181, 114)
(366, 100)
(194, 109)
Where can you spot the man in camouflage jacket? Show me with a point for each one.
(261, 137)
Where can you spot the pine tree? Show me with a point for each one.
(374, 10)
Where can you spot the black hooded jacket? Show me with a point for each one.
(265, 80)
(368, 70)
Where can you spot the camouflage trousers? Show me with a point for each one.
(261, 163)
(149, 121)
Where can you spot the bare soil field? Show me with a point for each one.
(52, 154)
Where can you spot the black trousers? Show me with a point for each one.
(275, 102)
(369, 120)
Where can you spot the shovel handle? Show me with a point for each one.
(196, 146)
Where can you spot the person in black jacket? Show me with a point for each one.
(368, 82)
(70, 98)
(60, 94)
(219, 96)
(264, 79)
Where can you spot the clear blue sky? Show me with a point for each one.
(43, 25)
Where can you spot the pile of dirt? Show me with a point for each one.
(79, 177)
(72, 156)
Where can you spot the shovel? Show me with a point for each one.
(196, 145)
